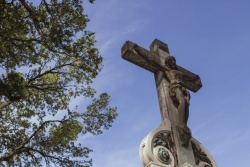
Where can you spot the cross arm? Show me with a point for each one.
(151, 62)
(147, 60)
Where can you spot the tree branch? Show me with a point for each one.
(32, 15)
(49, 71)
(21, 149)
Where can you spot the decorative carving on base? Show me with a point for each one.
(184, 136)
(164, 156)
(200, 156)
(158, 149)
(163, 143)
(165, 140)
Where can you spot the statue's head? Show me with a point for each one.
(170, 62)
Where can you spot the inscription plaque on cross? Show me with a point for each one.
(171, 83)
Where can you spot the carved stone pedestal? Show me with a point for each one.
(159, 149)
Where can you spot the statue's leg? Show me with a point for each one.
(187, 100)
(187, 113)
(181, 108)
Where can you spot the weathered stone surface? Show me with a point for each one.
(183, 137)
(157, 148)
(187, 165)
(129, 54)
(184, 154)
(151, 62)
(202, 156)
(153, 164)
(168, 145)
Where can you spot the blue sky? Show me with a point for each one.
(210, 38)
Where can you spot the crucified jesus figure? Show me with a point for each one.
(177, 91)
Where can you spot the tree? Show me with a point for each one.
(47, 59)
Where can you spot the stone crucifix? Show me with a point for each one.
(170, 145)
(171, 82)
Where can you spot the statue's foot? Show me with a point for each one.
(186, 130)
(184, 134)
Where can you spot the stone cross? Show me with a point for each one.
(154, 61)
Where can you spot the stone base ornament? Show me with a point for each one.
(158, 149)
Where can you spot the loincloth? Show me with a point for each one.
(172, 90)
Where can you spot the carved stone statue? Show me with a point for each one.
(177, 89)
(178, 92)
(171, 144)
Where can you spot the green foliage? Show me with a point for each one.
(47, 59)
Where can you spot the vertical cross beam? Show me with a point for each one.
(167, 107)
